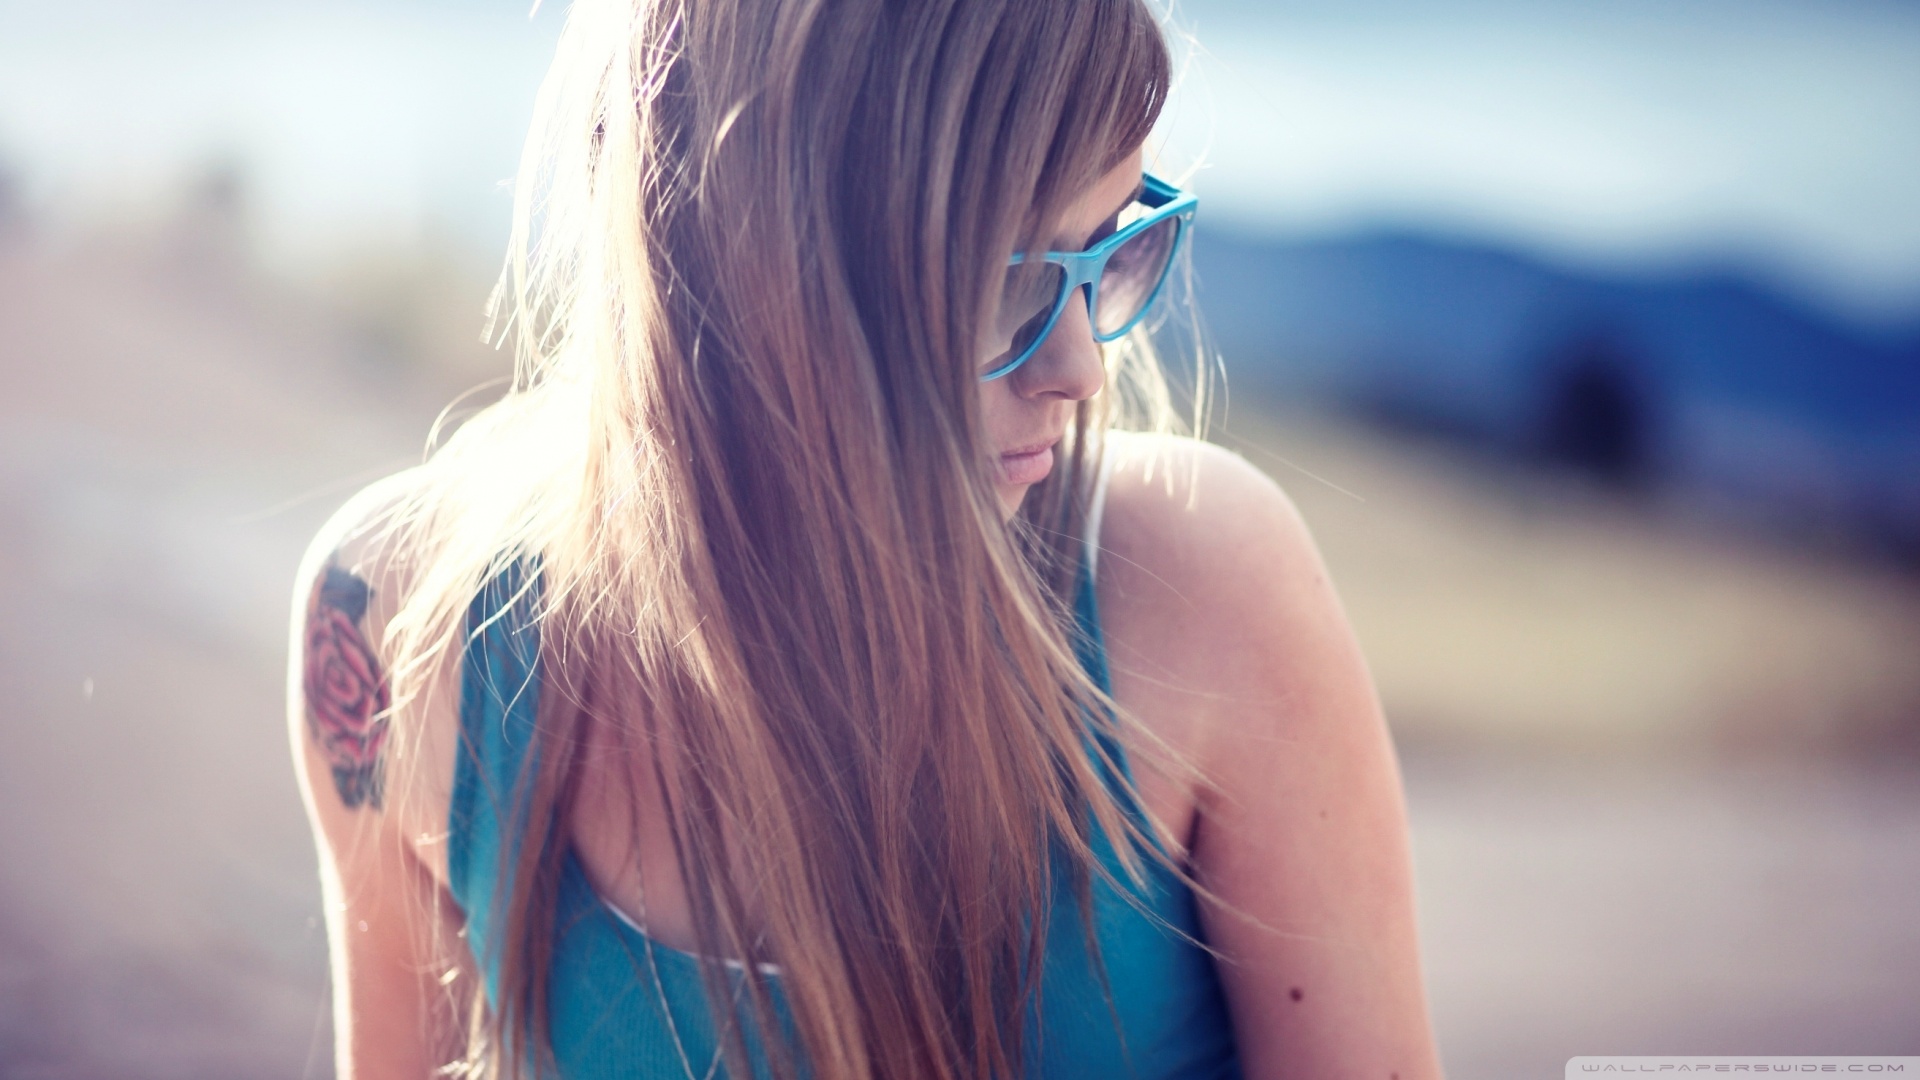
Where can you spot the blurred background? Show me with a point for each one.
(1586, 336)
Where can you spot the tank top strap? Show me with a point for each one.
(1090, 646)
(499, 707)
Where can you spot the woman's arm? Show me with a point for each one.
(400, 976)
(1236, 647)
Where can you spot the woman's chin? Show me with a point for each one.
(1011, 496)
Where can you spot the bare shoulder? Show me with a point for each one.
(1215, 599)
(1226, 638)
(1203, 519)
(372, 763)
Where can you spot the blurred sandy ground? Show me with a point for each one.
(1660, 776)
(172, 431)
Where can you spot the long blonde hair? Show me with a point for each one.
(754, 244)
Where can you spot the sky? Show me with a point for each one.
(353, 121)
(1781, 137)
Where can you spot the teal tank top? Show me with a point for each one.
(621, 1005)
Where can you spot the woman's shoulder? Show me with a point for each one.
(1213, 594)
(365, 534)
(375, 751)
(1226, 636)
(1201, 520)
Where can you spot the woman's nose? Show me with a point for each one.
(1068, 364)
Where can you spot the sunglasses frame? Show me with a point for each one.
(1084, 268)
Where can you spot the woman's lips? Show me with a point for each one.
(1028, 464)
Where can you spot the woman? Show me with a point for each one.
(792, 675)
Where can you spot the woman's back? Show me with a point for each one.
(1205, 567)
(1145, 1003)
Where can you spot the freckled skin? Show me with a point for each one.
(1225, 637)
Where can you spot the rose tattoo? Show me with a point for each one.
(347, 698)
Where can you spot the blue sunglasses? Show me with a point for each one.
(1123, 275)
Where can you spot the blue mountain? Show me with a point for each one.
(1703, 383)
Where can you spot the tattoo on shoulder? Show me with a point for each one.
(347, 695)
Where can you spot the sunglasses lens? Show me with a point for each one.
(1028, 299)
(1133, 276)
